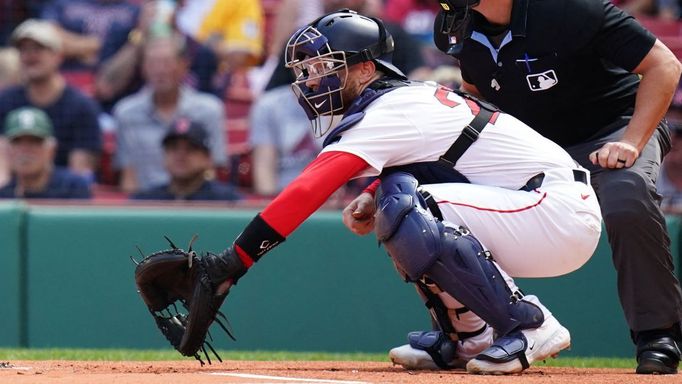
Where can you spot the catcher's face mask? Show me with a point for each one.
(321, 75)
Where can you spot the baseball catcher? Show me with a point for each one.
(461, 194)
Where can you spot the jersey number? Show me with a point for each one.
(442, 96)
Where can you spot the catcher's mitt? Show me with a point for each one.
(174, 275)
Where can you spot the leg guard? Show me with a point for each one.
(457, 324)
(422, 247)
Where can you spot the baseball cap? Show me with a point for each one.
(27, 121)
(192, 131)
(42, 32)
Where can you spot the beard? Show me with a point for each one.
(350, 92)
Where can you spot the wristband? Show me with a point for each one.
(258, 238)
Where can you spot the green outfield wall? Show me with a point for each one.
(67, 281)
(12, 297)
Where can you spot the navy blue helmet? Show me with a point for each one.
(324, 49)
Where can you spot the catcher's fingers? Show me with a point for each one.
(358, 216)
(615, 155)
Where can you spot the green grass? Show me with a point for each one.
(158, 355)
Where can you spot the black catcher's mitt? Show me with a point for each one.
(173, 276)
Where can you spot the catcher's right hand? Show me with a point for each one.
(358, 216)
(200, 285)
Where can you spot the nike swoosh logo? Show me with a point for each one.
(532, 346)
(319, 105)
(584, 197)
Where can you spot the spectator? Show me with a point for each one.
(143, 118)
(187, 158)
(119, 74)
(290, 15)
(233, 29)
(31, 152)
(91, 30)
(281, 140)
(73, 115)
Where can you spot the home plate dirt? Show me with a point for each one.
(292, 372)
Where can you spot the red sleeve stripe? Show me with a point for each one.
(303, 196)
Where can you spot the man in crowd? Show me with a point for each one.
(187, 158)
(73, 115)
(32, 148)
(143, 118)
(91, 30)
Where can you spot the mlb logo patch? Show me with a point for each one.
(542, 81)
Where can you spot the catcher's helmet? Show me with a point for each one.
(452, 23)
(322, 51)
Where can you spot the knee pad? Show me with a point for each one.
(408, 232)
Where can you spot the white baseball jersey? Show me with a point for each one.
(549, 231)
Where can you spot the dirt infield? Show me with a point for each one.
(292, 372)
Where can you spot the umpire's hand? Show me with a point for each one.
(358, 216)
(618, 154)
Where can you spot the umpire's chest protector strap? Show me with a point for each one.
(355, 112)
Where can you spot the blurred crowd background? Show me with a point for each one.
(114, 100)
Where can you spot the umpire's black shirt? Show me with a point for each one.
(562, 66)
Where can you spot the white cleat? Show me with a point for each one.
(540, 343)
(431, 350)
(412, 359)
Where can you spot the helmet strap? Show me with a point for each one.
(384, 45)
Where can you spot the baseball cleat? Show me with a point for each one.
(427, 350)
(515, 352)
(411, 358)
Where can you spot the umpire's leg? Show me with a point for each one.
(648, 289)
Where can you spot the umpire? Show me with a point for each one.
(588, 76)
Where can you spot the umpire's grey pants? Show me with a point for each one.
(649, 291)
